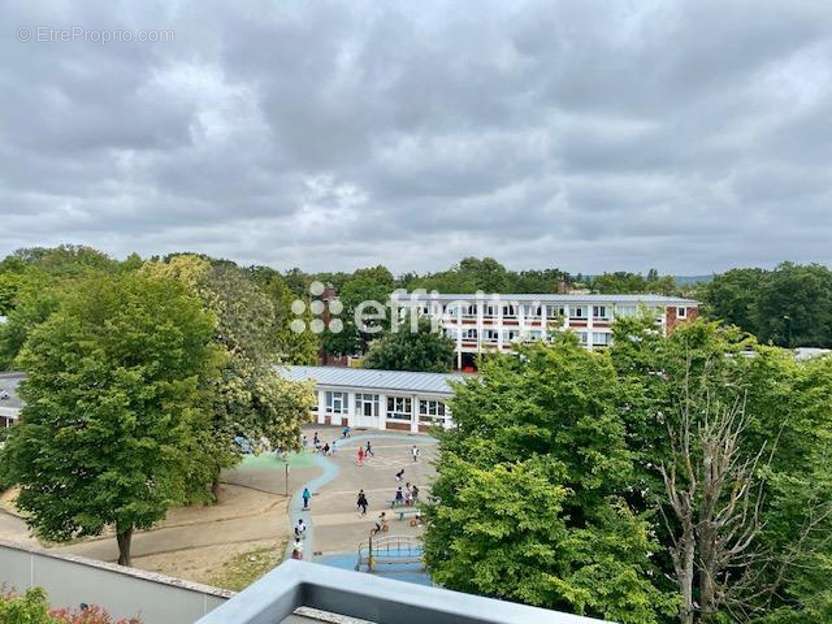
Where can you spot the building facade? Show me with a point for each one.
(497, 323)
(377, 399)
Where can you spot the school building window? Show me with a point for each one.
(399, 408)
(336, 402)
(430, 411)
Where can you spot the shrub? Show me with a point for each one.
(33, 608)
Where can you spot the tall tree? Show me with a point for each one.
(292, 346)
(369, 285)
(794, 308)
(730, 437)
(112, 405)
(249, 398)
(733, 296)
(420, 350)
(530, 498)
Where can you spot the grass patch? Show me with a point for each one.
(242, 570)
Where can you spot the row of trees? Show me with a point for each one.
(667, 479)
(139, 376)
(29, 270)
(790, 306)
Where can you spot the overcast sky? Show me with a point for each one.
(690, 136)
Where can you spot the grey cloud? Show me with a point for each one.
(687, 136)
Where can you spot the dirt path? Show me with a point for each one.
(196, 542)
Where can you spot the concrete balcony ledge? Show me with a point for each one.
(295, 584)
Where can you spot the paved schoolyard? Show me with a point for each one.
(336, 524)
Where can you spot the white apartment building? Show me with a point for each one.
(487, 323)
(377, 399)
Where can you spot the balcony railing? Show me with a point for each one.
(296, 583)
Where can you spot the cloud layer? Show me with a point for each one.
(591, 136)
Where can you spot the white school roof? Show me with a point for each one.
(371, 379)
(642, 299)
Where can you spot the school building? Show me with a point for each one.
(487, 323)
(378, 399)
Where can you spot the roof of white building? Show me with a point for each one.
(365, 378)
(807, 353)
(643, 299)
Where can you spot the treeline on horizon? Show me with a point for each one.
(788, 306)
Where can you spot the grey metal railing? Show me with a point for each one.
(298, 583)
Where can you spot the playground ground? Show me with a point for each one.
(249, 527)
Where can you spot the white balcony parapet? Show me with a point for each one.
(298, 583)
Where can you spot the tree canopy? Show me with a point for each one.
(691, 470)
(422, 350)
(530, 494)
(790, 306)
(112, 407)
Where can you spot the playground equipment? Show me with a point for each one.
(389, 550)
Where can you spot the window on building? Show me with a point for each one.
(336, 402)
(578, 312)
(470, 310)
(431, 411)
(681, 313)
(599, 312)
(584, 337)
(601, 339)
(469, 333)
(510, 334)
(509, 311)
(491, 335)
(625, 310)
(532, 311)
(489, 311)
(399, 408)
(366, 405)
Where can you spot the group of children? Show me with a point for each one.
(404, 496)
(324, 448)
(407, 496)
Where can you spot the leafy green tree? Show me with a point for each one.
(626, 282)
(733, 296)
(538, 281)
(530, 495)
(422, 350)
(292, 347)
(10, 284)
(794, 308)
(759, 422)
(374, 284)
(790, 306)
(249, 397)
(112, 406)
(66, 260)
(34, 302)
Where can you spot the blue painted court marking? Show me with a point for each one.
(330, 471)
(407, 572)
